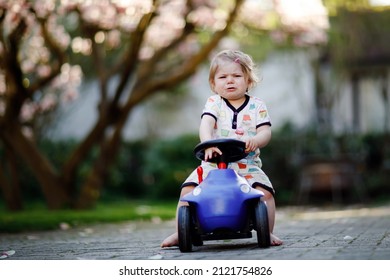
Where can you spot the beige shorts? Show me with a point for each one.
(251, 172)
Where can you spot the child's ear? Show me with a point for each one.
(250, 84)
(212, 86)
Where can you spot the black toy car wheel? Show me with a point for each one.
(261, 225)
(197, 240)
(184, 229)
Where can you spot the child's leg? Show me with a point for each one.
(173, 239)
(271, 208)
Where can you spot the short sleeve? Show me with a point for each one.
(263, 117)
(212, 106)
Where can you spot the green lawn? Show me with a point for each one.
(37, 217)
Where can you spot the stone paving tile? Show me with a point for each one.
(308, 234)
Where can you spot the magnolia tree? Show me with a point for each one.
(133, 48)
(147, 45)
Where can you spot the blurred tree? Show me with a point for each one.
(334, 5)
(135, 49)
(147, 45)
(358, 48)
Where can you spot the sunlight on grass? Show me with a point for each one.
(36, 217)
(346, 213)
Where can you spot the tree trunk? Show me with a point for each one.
(69, 170)
(355, 80)
(91, 189)
(10, 184)
(59, 187)
(53, 190)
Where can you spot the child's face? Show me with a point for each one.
(230, 81)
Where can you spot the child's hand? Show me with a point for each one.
(250, 145)
(211, 152)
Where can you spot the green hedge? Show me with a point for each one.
(155, 170)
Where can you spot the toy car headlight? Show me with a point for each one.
(245, 188)
(197, 191)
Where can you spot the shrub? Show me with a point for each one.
(167, 164)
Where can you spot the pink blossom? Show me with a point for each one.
(44, 7)
(28, 111)
(81, 45)
(69, 95)
(28, 132)
(48, 102)
(113, 39)
(203, 16)
(43, 70)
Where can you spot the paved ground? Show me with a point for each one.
(309, 234)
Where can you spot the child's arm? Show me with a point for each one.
(206, 133)
(260, 140)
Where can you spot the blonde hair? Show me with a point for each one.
(246, 62)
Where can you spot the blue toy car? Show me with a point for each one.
(223, 205)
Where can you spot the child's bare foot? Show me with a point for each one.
(172, 240)
(275, 241)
